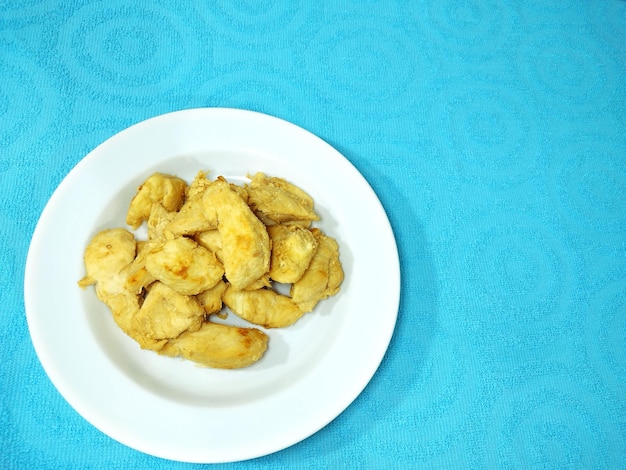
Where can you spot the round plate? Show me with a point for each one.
(172, 408)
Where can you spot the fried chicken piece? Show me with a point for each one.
(167, 190)
(191, 217)
(263, 307)
(106, 258)
(219, 346)
(158, 220)
(276, 200)
(212, 241)
(245, 242)
(211, 299)
(322, 278)
(293, 248)
(165, 314)
(263, 281)
(184, 266)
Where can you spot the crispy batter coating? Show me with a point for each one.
(211, 299)
(219, 346)
(212, 241)
(245, 242)
(278, 201)
(184, 266)
(165, 314)
(106, 258)
(263, 307)
(158, 220)
(323, 276)
(191, 217)
(167, 190)
(293, 248)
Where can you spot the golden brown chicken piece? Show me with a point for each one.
(184, 266)
(137, 276)
(106, 258)
(245, 243)
(219, 346)
(191, 217)
(263, 281)
(211, 299)
(263, 307)
(167, 190)
(323, 276)
(293, 248)
(212, 241)
(158, 220)
(276, 200)
(165, 314)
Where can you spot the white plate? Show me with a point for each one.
(172, 408)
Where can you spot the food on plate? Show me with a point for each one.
(191, 218)
(323, 276)
(245, 242)
(212, 244)
(211, 299)
(167, 190)
(106, 259)
(293, 248)
(263, 307)
(220, 346)
(183, 265)
(276, 201)
(212, 241)
(165, 314)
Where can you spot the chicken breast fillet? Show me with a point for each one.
(263, 307)
(164, 315)
(158, 220)
(293, 248)
(211, 299)
(219, 346)
(167, 190)
(322, 278)
(212, 241)
(184, 266)
(245, 242)
(191, 217)
(106, 258)
(276, 200)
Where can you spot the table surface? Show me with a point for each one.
(493, 132)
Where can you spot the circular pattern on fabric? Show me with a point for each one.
(606, 334)
(588, 185)
(563, 69)
(440, 380)
(28, 106)
(272, 25)
(23, 9)
(265, 91)
(127, 49)
(541, 7)
(607, 19)
(463, 28)
(487, 129)
(348, 64)
(518, 273)
(8, 271)
(546, 425)
(265, 16)
(36, 414)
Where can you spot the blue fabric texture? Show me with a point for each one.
(494, 133)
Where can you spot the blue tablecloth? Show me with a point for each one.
(494, 133)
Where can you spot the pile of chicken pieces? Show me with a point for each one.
(212, 243)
